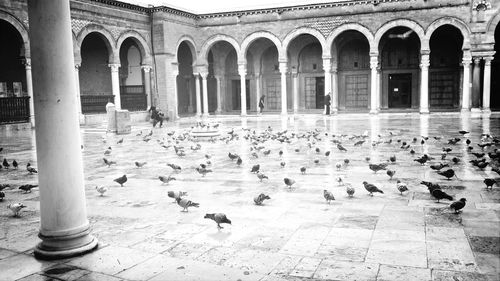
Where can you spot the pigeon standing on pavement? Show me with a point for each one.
(371, 188)
(27, 187)
(176, 194)
(101, 190)
(328, 196)
(185, 203)
(121, 180)
(402, 187)
(258, 200)
(458, 205)
(219, 218)
(16, 208)
(288, 182)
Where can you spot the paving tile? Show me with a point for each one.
(188, 250)
(27, 266)
(95, 276)
(489, 245)
(37, 277)
(111, 260)
(357, 221)
(305, 268)
(397, 273)
(6, 253)
(217, 255)
(65, 272)
(147, 269)
(441, 275)
(254, 261)
(342, 270)
(155, 244)
(488, 263)
(285, 266)
(451, 256)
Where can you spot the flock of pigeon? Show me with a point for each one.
(259, 146)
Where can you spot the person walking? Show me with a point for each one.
(156, 116)
(328, 100)
(261, 104)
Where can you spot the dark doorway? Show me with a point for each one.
(320, 92)
(400, 90)
(236, 86)
(495, 73)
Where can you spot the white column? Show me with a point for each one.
(205, 92)
(219, 101)
(295, 77)
(374, 95)
(64, 227)
(29, 88)
(77, 83)
(283, 69)
(198, 95)
(242, 70)
(487, 84)
(466, 97)
(335, 90)
(175, 73)
(424, 82)
(327, 67)
(257, 90)
(147, 83)
(115, 84)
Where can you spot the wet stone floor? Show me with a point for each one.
(295, 235)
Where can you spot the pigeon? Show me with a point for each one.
(3, 186)
(166, 179)
(101, 190)
(341, 148)
(371, 188)
(346, 162)
(289, 182)
(280, 153)
(448, 173)
(350, 190)
(455, 160)
(458, 205)
(185, 203)
(316, 161)
(121, 180)
(328, 196)
(261, 176)
(2, 195)
(282, 164)
(175, 167)
(317, 150)
(255, 168)
(338, 165)
(421, 160)
(391, 173)
(339, 180)
(27, 187)
(176, 194)
(107, 152)
(5, 164)
(402, 187)
(108, 162)
(239, 161)
(377, 167)
(140, 164)
(15, 164)
(439, 195)
(258, 200)
(303, 170)
(120, 141)
(358, 143)
(489, 182)
(232, 156)
(438, 166)
(392, 158)
(16, 208)
(203, 171)
(478, 155)
(367, 158)
(327, 153)
(462, 132)
(219, 218)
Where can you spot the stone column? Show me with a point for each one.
(476, 82)
(242, 70)
(487, 84)
(327, 67)
(205, 92)
(283, 69)
(175, 74)
(29, 89)
(295, 77)
(374, 94)
(466, 97)
(198, 95)
(115, 84)
(219, 101)
(147, 83)
(77, 83)
(424, 82)
(335, 90)
(257, 90)
(64, 227)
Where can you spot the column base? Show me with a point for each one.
(284, 113)
(61, 247)
(486, 110)
(464, 110)
(476, 110)
(424, 111)
(374, 111)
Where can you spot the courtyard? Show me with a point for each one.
(296, 235)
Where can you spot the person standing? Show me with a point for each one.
(261, 103)
(328, 100)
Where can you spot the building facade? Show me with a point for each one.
(371, 55)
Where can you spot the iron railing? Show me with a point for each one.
(95, 103)
(133, 98)
(14, 109)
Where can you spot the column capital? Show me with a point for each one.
(373, 62)
(424, 61)
(204, 75)
(487, 60)
(425, 52)
(242, 69)
(466, 61)
(27, 63)
(327, 65)
(477, 60)
(114, 66)
(146, 68)
(283, 67)
(77, 65)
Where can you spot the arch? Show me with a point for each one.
(203, 58)
(351, 26)
(491, 26)
(191, 44)
(19, 26)
(261, 34)
(306, 30)
(460, 25)
(424, 45)
(107, 36)
(141, 43)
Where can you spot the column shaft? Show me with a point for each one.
(487, 84)
(147, 84)
(476, 82)
(198, 95)
(243, 88)
(29, 88)
(257, 90)
(466, 96)
(424, 83)
(327, 67)
(115, 84)
(205, 93)
(64, 228)
(219, 101)
(295, 76)
(335, 90)
(374, 93)
(283, 69)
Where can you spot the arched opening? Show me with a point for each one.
(263, 68)
(95, 74)
(444, 72)
(233, 85)
(351, 51)
(132, 89)
(186, 99)
(399, 50)
(13, 90)
(495, 73)
(305, 58)
(211, 85)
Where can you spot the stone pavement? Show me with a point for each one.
(295, 235)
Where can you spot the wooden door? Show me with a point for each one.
(356, 91)
(400, 90)
(443, 89)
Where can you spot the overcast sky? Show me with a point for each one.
(211, 6)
